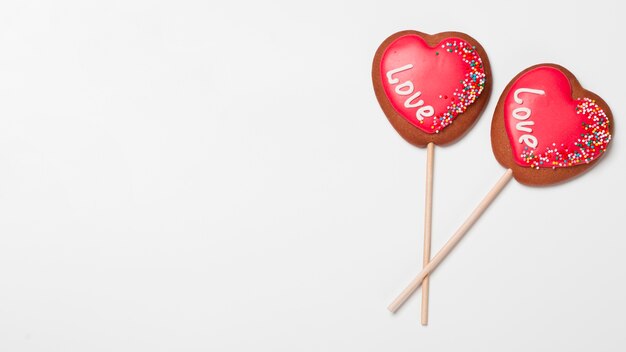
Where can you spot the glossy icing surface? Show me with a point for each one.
(431, 86)
(547, 127)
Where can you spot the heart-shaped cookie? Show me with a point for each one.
(432, 88)
(547, 128)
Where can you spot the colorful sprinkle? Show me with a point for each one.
(589, 146)
(473, 84)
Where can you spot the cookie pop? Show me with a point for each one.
(432, 89)
(546, 129)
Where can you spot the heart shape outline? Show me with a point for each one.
(462, 123)
(501, 143)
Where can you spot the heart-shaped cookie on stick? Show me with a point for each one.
(552, 128)
(432, 89)
(546, 129)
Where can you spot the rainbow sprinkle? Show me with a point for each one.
(589, 146)
(473, 84)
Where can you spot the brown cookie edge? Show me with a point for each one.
(504, 153)
(461, 124)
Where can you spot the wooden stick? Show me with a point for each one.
(458, 235)
(428, 223)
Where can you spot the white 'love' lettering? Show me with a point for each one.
(407, 88)
(522, 114)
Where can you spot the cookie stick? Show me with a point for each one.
(424, 83)
(452, 242)
(571, 129)
(428, 225)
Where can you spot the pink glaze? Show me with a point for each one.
(449, 77)
(549, 128)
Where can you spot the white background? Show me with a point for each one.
(218, 176)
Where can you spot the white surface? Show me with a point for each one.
(199, 176)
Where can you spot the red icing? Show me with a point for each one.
(568, 131)
(450, 76)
